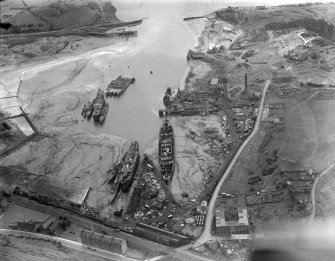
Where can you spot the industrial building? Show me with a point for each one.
(214, 82)
(49, 227)
(200, 217)
(109, 243)
(231, 227)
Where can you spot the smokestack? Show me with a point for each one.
(246, 83)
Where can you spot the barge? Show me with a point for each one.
(104, 113)
(119, 85)
(98, 104)
(166, 150)
(87, 110)
(129, 166)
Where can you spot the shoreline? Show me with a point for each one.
(195, 44)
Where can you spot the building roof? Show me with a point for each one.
(243, 217)
(104, 238)
(215, 81)
(220, 220)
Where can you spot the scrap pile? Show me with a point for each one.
(149, 200)
(196, 101)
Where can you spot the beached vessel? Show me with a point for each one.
(129, 166)
(104, 112)
(87, 109)
(114, 178)
(119, 85)
(98, 104)
(166, 149)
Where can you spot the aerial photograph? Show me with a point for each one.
(170, 130)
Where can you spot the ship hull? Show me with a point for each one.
(98, 105)
(96, 116)
(113, 194)
(130, 163)
(89, 113)
(166, 151)
(125, 185)
(104, 113)
(113, 91)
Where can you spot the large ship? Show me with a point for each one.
(104, 112)
(166, 150)
(129, 166)
(119, 85)
(98, 104)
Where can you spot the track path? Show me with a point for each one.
(310, 219)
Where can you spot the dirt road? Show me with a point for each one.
(309, 221)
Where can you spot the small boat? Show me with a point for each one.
(86, 108)
(104, 113)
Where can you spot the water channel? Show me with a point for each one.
(161, 47)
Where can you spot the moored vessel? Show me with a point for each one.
(104, 112)
(166, 149)
(119, 85)
(129, 166)
(86, 109)
(98, 104)
(89, 111)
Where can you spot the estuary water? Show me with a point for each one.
(161, 47)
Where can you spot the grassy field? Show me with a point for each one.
(16, 248)
(40, 16)
(303, 139)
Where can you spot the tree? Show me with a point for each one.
(16, 29)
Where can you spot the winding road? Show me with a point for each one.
(310, 219)
(306, 41)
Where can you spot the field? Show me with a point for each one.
(42, 16)
(196, 159)
(56, 14)
(12, 248)
(296, 130)
(325, 199)
(15, 213)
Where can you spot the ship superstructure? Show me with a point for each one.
(166, 149)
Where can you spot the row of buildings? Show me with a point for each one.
(224, 227)
(109, 243)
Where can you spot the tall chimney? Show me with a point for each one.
(246, 83)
